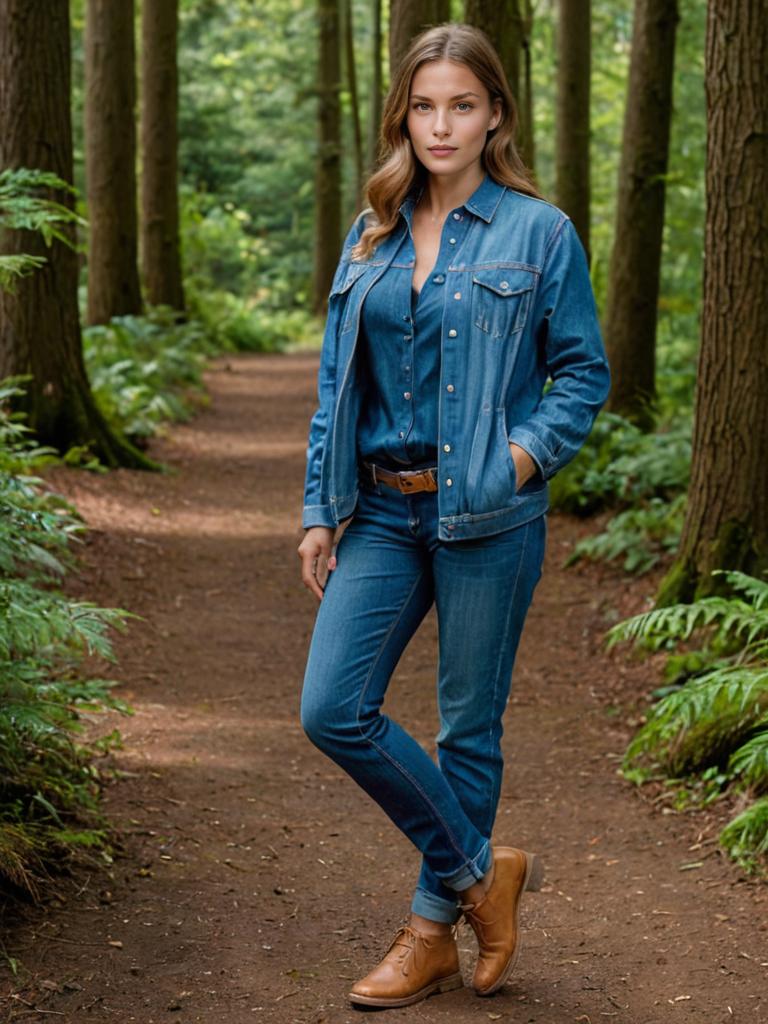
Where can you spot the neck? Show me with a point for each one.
(443, 194)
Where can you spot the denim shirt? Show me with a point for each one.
(518, 315)
(400, 353)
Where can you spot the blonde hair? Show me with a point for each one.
(388, 186)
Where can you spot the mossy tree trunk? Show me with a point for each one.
(726, 525)
(110, 160)
(572, 113)
(633, 277)
(39, 321)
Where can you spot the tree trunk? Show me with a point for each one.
(357, 135)
(633, 279)
(726, 525)
(374, 122)
(160, 249)
(527, 136)
(328, 168)
(110, 160)
(407, 18)
(39, 323)
(502, 22)
(573, 98)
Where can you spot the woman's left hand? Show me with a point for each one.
(525, 467)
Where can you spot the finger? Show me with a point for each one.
(309, 576)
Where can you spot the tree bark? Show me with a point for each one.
(407, 18)
(633, 279)
(328, 166)
(726, 525)
(110, 160)
(160, 248)
(39, 323)
(572, 113)
(376, 102)
(357, 135)
(502, 22)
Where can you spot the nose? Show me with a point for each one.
(440, 126)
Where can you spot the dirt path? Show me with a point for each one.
(257, 881)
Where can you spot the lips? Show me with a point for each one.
(442, 149)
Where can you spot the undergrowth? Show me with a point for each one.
(50, 773)
(708, 732)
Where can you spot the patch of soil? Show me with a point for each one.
(256, 881)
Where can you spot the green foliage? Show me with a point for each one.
(641, 536)
(714, 723)
(746, 837)
(144, 370)
(23, 208)
(49, 777)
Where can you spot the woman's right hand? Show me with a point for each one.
(315, 554)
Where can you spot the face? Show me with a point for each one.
(449, 116)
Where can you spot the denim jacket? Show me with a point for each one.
(519, 310)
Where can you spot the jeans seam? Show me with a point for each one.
(502, 648)
(401, 768)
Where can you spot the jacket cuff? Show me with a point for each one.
(317, 515)
(541, 455)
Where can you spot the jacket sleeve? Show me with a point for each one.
(565, 323)
(316, 512)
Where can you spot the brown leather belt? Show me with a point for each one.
(405, 480)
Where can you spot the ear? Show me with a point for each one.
(496, 115)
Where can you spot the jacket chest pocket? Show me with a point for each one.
(347, 275)
(501, 300)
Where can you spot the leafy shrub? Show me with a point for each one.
(716, 718)
(49, 779)
(143, 369)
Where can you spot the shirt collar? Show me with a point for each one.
(483, 202)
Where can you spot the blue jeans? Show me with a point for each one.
(390, 568)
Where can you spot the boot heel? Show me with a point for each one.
(534, 877)
(449, 984)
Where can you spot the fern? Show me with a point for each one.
(746, 836)
(717, 720)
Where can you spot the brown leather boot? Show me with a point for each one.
(494, 918)
(414, 966)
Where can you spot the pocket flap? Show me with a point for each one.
(505, 281)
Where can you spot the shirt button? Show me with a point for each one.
(407, 369)
(452, 333)
(446, 447)
(449, 387)
(452, 241)
(457, 295)
(457, 216)
(438, 278)
(407, 337)
(406, 394)
(449, 482)
(504, 284)
(401, 433)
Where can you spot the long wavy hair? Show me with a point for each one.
(400, 169)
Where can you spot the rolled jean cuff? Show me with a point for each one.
(434, 908)
(472, 871)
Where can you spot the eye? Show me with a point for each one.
(463, 103)
(420, 103)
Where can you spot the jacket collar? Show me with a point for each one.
(483, 202)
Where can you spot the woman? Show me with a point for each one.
(456, 297)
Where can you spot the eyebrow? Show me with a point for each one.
(416, 96)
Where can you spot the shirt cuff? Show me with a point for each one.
(529, 443)
(317, 515)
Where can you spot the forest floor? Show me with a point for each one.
(255, 881)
